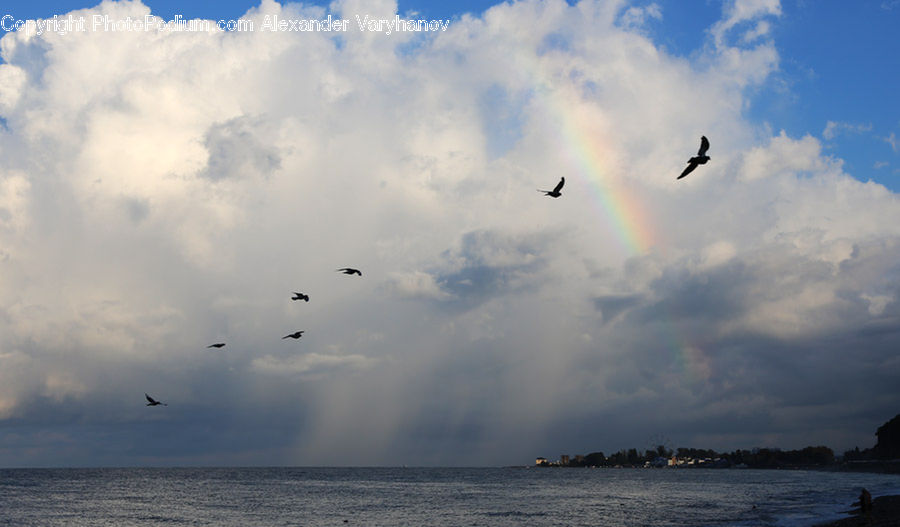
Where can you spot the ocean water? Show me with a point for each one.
(429, 496)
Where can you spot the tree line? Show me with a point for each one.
(886, 449)
(756, 458)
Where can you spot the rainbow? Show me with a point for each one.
(623, 210)
(581, 139)
(582, 142)
(589, 154)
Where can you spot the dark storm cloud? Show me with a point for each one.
(490, 264)
(611, 306)
(735, 350)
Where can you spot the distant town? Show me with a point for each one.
(883, 457)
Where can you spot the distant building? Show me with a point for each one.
(564, 459)
(659, 462)
(541, 461)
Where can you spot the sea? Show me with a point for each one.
(459, 497)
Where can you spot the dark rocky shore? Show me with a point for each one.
(885, 513)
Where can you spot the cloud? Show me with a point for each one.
(417, 284)
(311, 365)
(738, 12)
(762, 29)
(236, 150)
(786, 156)
(635, 17)
(833, 129)
(893, 141)
(160, 192)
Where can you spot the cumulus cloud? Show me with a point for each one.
(162, 191)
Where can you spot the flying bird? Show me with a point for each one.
(349, 270)
(300, 296)
(700, 159)
(217, 345)
(295, 335)
(555, 193)
(153, 402)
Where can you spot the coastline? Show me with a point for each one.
(885, 513)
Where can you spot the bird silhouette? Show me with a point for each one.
(295, 335)
(300, 296)
(217, 345)
(349, 270)
(555, 193)
(153, 402)
(700, 159)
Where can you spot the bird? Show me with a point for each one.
(217, 345)
(349, 270)
(555, 193)
(300, 296)
(153, 402)
(700, 159)
(295, 335)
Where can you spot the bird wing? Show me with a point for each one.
(559, 186)
(690, 168)
(704, 146)
(149, 398)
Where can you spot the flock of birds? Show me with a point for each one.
(295, 335)
(700, 159)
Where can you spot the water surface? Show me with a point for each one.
(429, 496)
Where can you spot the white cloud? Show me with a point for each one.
(635, 17)
(893, 141)
(740, 11)
(762, 29)
(12, 81)
(833, 129)
(786, 156)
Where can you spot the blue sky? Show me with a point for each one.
(161, 192)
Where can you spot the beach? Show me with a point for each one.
(885, 513)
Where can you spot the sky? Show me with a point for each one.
(161, 191)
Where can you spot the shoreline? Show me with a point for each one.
(885, 513)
